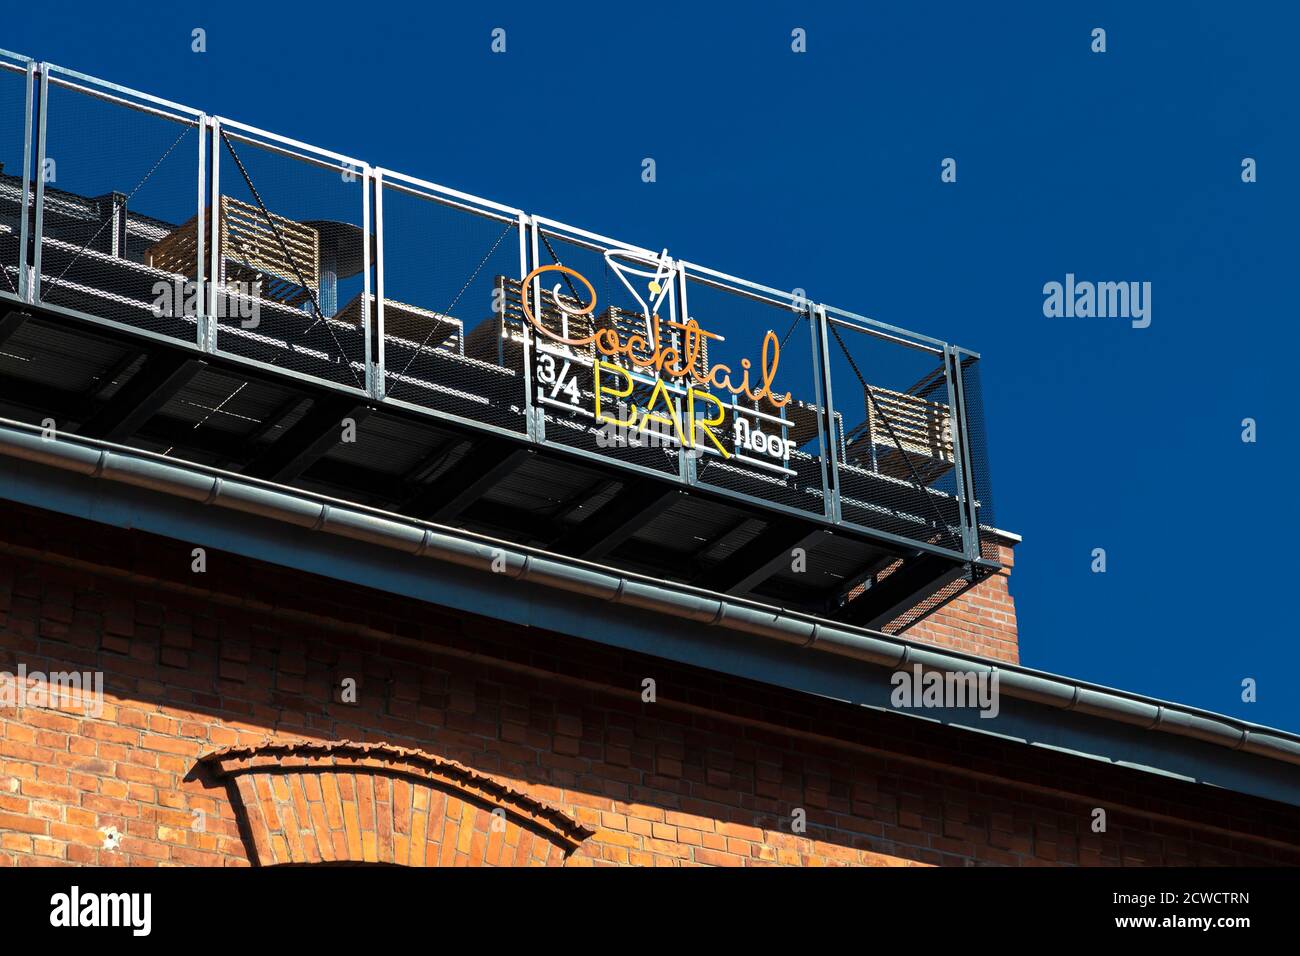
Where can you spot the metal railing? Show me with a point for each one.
(126, 209)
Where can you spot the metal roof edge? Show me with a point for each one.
(213, 487)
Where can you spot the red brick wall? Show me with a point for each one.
(982, 621)
(708, 774)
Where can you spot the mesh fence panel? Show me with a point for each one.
(894, 437)
(121, 183)
(290, 252)
(771, 448)
(14, 95)
(447, 346)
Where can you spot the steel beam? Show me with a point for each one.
(309, 440)
(509, 521)
(145, 393)
(487, 462)
(10, 324)
(44, 400)
(762, 557)
(638, 503)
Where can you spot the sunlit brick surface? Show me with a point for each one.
(713, 773)
(982, 621)
(339, 804)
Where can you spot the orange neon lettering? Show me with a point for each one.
(664, 359)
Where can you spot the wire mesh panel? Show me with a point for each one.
(16, 195)
(289, 237)
(894, 434)
(451, 319)
(760, 394)
(118, 181)
(611, 368)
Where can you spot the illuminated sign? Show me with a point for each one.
(664, 356)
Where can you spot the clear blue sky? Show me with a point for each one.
(822, 171)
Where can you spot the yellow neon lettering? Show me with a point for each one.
(650, 416)
(705, 423)
(601, 389)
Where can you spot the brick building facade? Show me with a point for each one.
(473, 741)
(368, 571)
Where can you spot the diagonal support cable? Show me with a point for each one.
(284, 248)
(889, 427)
(446, 313)
(568, 280)
(124, 203)
(297, 272)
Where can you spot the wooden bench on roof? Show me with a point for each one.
(249, 251)
(906, 435)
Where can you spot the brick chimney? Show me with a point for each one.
(983, 620)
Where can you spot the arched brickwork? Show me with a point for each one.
(344, 802)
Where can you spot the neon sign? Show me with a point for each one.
(672, 358)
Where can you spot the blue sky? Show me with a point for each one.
(821, 171)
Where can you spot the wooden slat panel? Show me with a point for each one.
(177, 252)
(911, 436)
(250, 252)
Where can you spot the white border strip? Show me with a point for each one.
(452, 193)
(195, 120)
(556, 227)
(296, 144)
(157, 100)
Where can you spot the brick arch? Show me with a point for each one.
(345, 802)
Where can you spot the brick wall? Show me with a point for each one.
(982, 621)
(546, 734)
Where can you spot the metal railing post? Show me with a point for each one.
(216, 282)
(379, 381)
(955, 410)
(687, 469)
(366, 318)
(24, 232)
(823, 438)
(34, 293)
(534, 415)
(200, 291)
(830, 448)
(968, 510)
